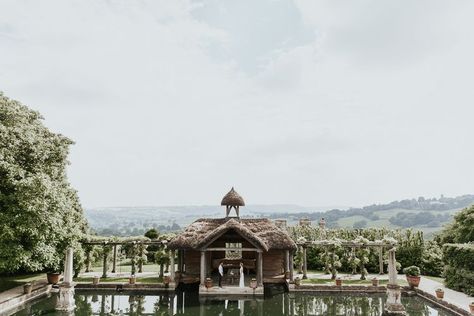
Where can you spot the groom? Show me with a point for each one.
(221, 273)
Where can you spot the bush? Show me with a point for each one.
(459, 255)
(432, 260)
(459, 271)
(459, 279)
(412, 271)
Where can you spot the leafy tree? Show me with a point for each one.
(152, 234)
(461, 230)
(40, 213)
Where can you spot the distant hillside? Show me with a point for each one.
(426, 214)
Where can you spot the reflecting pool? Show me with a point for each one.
(181, 303)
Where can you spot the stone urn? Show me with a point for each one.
(375, 282)
(53, 277)
(439, 293)
(166, 280)
(471, 307)
(338, 282)
(253, 283)
(208, 283)
(27, 288)
(95, 279)
(132, 279)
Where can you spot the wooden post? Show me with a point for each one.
(305, 264)
(292, 267)
(172, 265)
(287, 262)
(104, 265)
(259, 269)
(115, 259)
(381, 260)
(180, 261)
(203, 268)
(140, 256)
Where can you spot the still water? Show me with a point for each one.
(90, 303)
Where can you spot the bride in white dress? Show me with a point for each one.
(241, 282)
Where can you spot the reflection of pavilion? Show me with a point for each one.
(264, 249)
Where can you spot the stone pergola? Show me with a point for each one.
(393, 305)
(114, 243)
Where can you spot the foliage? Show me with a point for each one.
(412, 271)
(40, 212)
(459, 255)
(459, 279)
(428, 219)
(461, 230)
(152, 234)
(432, 259)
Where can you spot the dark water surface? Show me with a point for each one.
(113, 303)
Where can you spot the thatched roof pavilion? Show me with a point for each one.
(263, 247)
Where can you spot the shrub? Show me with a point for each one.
(412, 271)
(432, 260)
(459, 279)
(459, 255)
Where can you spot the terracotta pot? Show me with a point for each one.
(338, 282)
(53, 278)
(375, 282)
(208, 283)
(413, 281)
(440, 294)
(132, 280)
(95, 280)
(253, 284)
(297, 282)
(27, 288)
(471, 307)
(166, 279)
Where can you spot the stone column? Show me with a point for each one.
(172, 275)
(68, 266)
(259, 269)
(381, 260)
(287, 262)
(115, 259)
(203, 268)
(393, 305)
(305, 264)
(66, 301)
(104, 264)
(292, 267)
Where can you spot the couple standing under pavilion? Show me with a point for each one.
(241, 273)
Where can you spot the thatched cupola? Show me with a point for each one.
(232, 200)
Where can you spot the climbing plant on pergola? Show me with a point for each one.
(135, 248)
(331, 245)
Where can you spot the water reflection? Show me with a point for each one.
(181, 303)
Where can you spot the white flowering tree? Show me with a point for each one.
(40, 213)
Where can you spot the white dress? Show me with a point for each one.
(241, 282)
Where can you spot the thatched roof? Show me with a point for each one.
(233, 198)
(261, 232)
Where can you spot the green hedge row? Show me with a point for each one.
(459, 255)
(459, 279)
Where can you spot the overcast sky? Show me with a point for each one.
(316, 103)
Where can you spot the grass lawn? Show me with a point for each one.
(9, 282)
(344, 282)
(128, 268)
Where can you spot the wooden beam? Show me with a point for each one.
(230, 249)
(115, 259)
(381, 260)
(172, 274)
(259, 269)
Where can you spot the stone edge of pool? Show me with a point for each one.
(12, 305)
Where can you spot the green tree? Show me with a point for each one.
(461, 230)
(40, 213)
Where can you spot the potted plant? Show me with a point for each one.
(166, 280)
(338, 281)
(413, 275)
(439, 293)
(53, 272)
(95, 279)
(471, 307)
(27, 288)
(297, 281)
(132, 279)
(253, 283)
(375, 282)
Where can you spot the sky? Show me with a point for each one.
(315, 103)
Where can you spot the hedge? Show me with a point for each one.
(459, 255)
(459, 279)
(459, 271)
